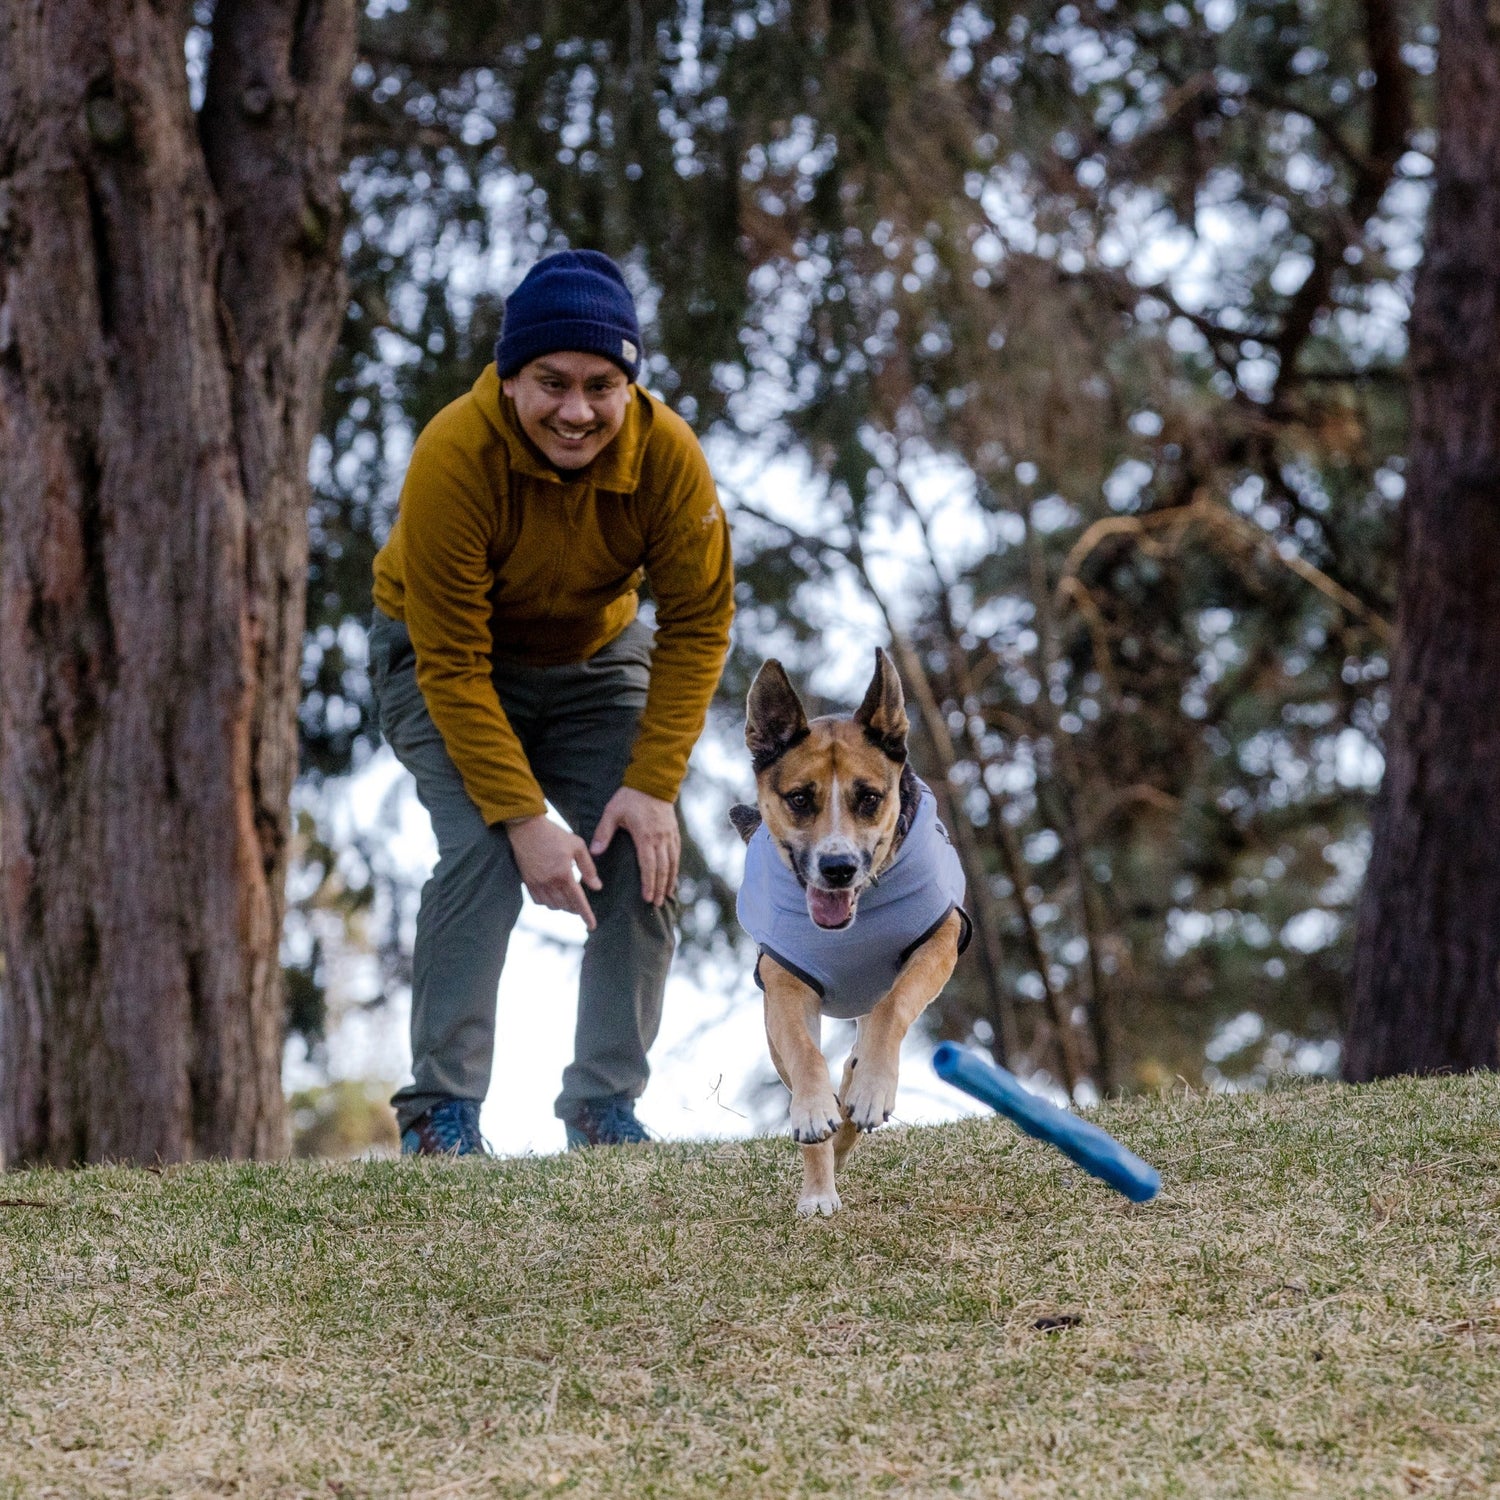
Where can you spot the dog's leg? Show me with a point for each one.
(793, 1027)
(847, 1137)
(819, 1162)
(870, 1094)
(818, 1195)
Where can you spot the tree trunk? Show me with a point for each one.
(1426, 993)
(170, 292)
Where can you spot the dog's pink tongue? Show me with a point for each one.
(830, 908)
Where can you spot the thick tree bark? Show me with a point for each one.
(1426, 994)
(170, 292)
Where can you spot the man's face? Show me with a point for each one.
(570, 405)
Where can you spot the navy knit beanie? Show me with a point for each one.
(576, 299)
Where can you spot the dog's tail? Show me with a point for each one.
(746, 820)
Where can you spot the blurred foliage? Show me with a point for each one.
(342, 1120)
(347, 943)
(1085, 322)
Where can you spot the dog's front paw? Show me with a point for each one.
(871, 1095)
(813, 1205)
(814, 1119)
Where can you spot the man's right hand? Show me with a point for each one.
(545, 855)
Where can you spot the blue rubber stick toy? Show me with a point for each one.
(1095, 1151)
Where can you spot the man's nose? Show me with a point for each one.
(575, 407)
(837, 870)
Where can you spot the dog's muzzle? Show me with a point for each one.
(831, 898)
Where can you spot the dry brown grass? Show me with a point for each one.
(1309, 1309)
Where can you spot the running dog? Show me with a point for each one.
(853, 895)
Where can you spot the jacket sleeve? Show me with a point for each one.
(446, 517)
(691, 573)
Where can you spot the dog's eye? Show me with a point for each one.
(800, 801)
(869, 804)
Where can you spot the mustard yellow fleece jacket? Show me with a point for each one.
(495, 554)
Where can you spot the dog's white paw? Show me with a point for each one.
(814, 1205)
(871, 1095)
(814, 1119)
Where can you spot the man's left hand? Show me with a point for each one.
(652, 825)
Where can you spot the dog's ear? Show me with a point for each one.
(774, 720)
(746, 820)
(883, 713)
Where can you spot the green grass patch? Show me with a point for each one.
(1310, 1308)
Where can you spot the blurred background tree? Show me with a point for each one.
(1062, 343)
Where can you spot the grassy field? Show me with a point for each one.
(1310, 1308)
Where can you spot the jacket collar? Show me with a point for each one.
(617, 469)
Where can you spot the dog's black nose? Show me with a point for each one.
(837, 870)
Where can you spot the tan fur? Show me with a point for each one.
(816, 789)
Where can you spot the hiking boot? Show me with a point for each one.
(606, 1122)
(449, 1128)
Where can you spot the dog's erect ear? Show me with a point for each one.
(774, 720)
(883, 713)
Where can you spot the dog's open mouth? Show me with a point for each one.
(833, 909)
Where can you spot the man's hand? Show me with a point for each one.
(652, 824)
(545, 855)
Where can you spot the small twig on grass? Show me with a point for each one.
(454, 1485)
(1177, 1161)
(713, 1094)
(1417, 1168)
(24, 1203)
(503, 1358)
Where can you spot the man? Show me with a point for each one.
(509, 666)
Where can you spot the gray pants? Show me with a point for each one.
(577, 725)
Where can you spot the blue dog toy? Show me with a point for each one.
(1093, 1150)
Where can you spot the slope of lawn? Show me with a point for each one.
(1310, 1308)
